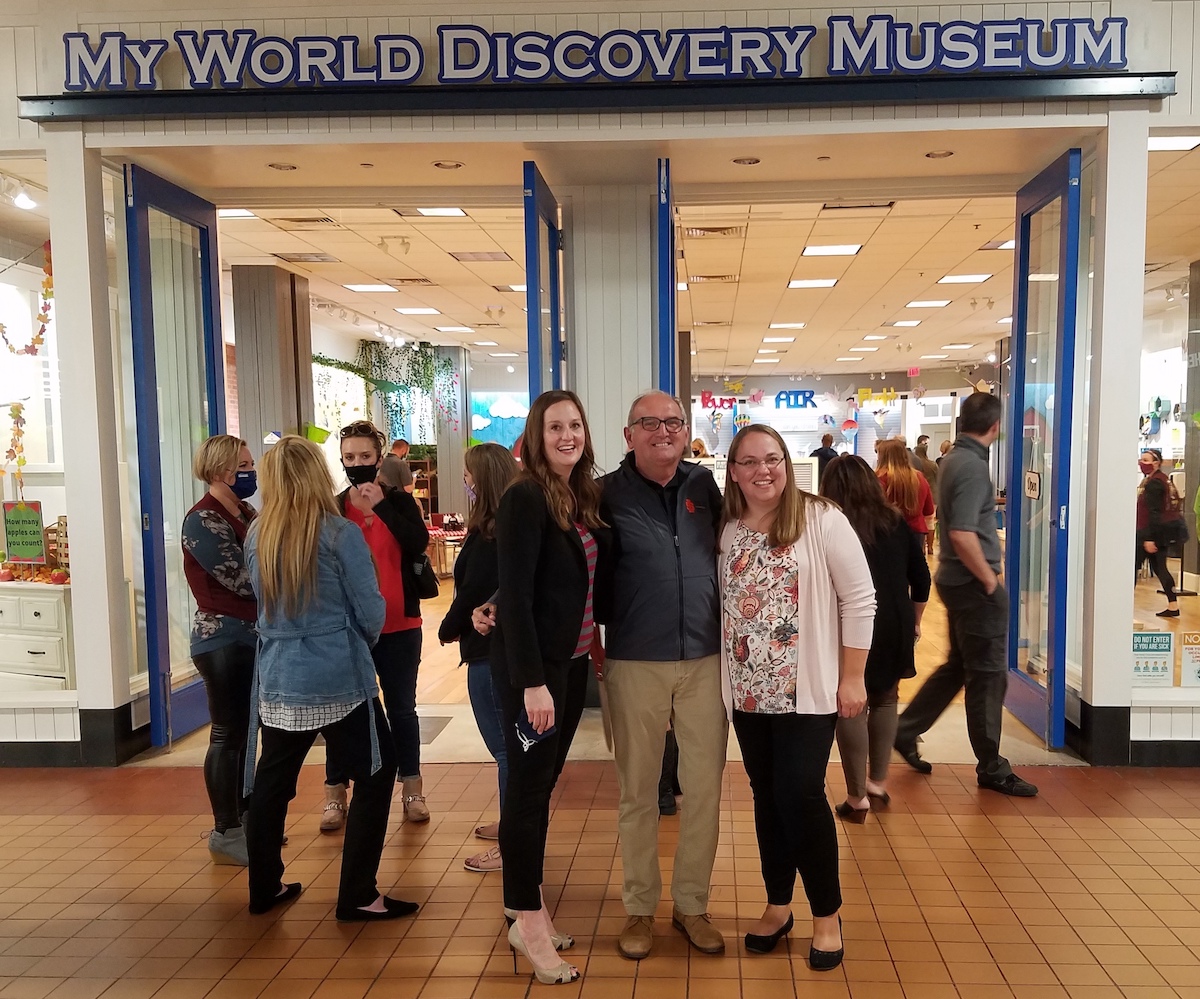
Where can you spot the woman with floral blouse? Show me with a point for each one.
(798, 608)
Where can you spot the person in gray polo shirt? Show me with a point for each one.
(968, 583)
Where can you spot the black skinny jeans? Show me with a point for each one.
(397, 655)
(786, 757)
(228, 673)
(1158, 564)
(366, 822)
(532, 774)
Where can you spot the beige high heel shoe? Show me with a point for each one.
(561, 941)
(561, 974)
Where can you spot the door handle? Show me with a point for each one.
(1062, 518)
(32, 653)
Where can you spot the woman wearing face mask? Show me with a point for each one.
(1158, 520)
(396, 534)
(223, 639)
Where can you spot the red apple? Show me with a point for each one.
(59, 576)
(6, 576)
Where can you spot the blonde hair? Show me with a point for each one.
(297, 496)
(217, 456)
(902, 487)
(791, 516)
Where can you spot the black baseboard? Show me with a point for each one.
(1165, 753)
(1102, 735)
(40, 754)
(107, 737)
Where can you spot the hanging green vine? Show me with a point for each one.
(395, 371)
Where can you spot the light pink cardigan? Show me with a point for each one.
(836, 606)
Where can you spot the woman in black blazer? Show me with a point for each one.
(901, 577)
(549, 536)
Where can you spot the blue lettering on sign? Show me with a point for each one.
(796, 399)
(468, 53)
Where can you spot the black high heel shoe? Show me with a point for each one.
(851, 814)
(764, 943)
(827, 960)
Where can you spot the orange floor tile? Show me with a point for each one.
(1089, 891)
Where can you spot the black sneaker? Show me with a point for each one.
(913, 758)
(1011, 785)
(666, 803)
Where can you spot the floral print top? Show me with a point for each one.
(211, 540)
(761, 610)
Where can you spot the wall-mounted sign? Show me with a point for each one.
(886, 397)
(1190, 647)
(796, 399)
(467, 53)
(1153, 659)
(23, 535)
(1033, 485)
(710, 401)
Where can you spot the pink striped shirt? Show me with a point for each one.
(589, 624)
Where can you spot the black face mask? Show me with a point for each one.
(360, 475)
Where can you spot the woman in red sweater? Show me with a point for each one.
(905, 488)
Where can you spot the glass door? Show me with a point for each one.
(1043, 354)
(179, 400)
(665, 282)
(543, 283)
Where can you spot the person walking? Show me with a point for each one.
(1159, 521)
(824, 455)
(320, 610)
(798, 608)
(395, 531)
(489, 469)
(550, 538)
(900, 575)
(904, 486)
(663, 668)
(223, 639)
(968, 583)
(929, 469)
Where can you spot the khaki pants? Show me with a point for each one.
(643, 697)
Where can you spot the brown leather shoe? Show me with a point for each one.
(700, 932)
(637, 938)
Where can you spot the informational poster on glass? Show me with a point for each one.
(1190, 646)
(1153, 659)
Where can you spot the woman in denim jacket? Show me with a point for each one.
(320, 611)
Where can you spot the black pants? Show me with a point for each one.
(228, 673)
(786, 757)
(397, 655)
(978, 661)
(532, 774)
(1158, 565)
(366, 823)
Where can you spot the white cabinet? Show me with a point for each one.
(35, 637)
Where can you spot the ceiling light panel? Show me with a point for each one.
(419, 312)
(908, 323)
(812, 282)
(235, 213)
(454, 329)
(368, 288)
(1000, 244)
(480, 256)
(834, 250)
(864, 350)
(786, 326)
(932, 303)
(875, 336)
(779, 339)
(485, 343)
(504, 355)
(766, 360)
(964, 279)
(934, 357)
(849, 358)
(1173, 143)
(958, 346)
(441, 212)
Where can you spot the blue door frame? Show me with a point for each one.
(172, 712)
(665, 279)
(1043, 708)
(541, 206)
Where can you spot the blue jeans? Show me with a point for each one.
(487, 716)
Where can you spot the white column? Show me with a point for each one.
(1118, 292)
(100, 613)
(610, 351)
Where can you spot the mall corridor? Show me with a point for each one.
(1088, 891)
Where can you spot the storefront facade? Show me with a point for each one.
(608, 105)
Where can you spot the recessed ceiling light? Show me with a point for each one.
(441, 212)
(779, 339)
(1043, 277)
(1173, 143)
(934, 357)
(849, 358)
(964, 279)
(905, 322)
(1006, 321)
(786, 326)
(448, 164)
(504, 355)
(812, 282)
(766, 360)
(454, 329)
(486, 343)
(837, 250)
(864, 350)
(368, 287)
(747, 161)
(681, 286)
(957, 346)
(874, 336)
(235, 213)
(767, 350)
(939, 154)
(1000, 244)
(418, 312)
(932, 303)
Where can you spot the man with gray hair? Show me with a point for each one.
(663, 667)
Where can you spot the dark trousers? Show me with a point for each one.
(366, 823)
(1158, 565)
(228, 674)
(786, 757)
(532, 774)
(397, 655)
(978, 661)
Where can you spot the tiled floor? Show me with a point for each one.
(1089, 891)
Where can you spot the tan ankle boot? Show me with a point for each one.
(333, 815)
(415, 809)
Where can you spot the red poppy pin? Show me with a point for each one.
(691, 507)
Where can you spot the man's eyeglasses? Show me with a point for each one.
(770, 463)
(651, 423)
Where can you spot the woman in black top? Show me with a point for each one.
(548, 534)
(489, 470)
(901, 577)
(1158, 525)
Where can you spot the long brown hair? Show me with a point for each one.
(791, 516)
(580, 498)
(851, 484)
(297, 496)
(902, 487)
(493, 468)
